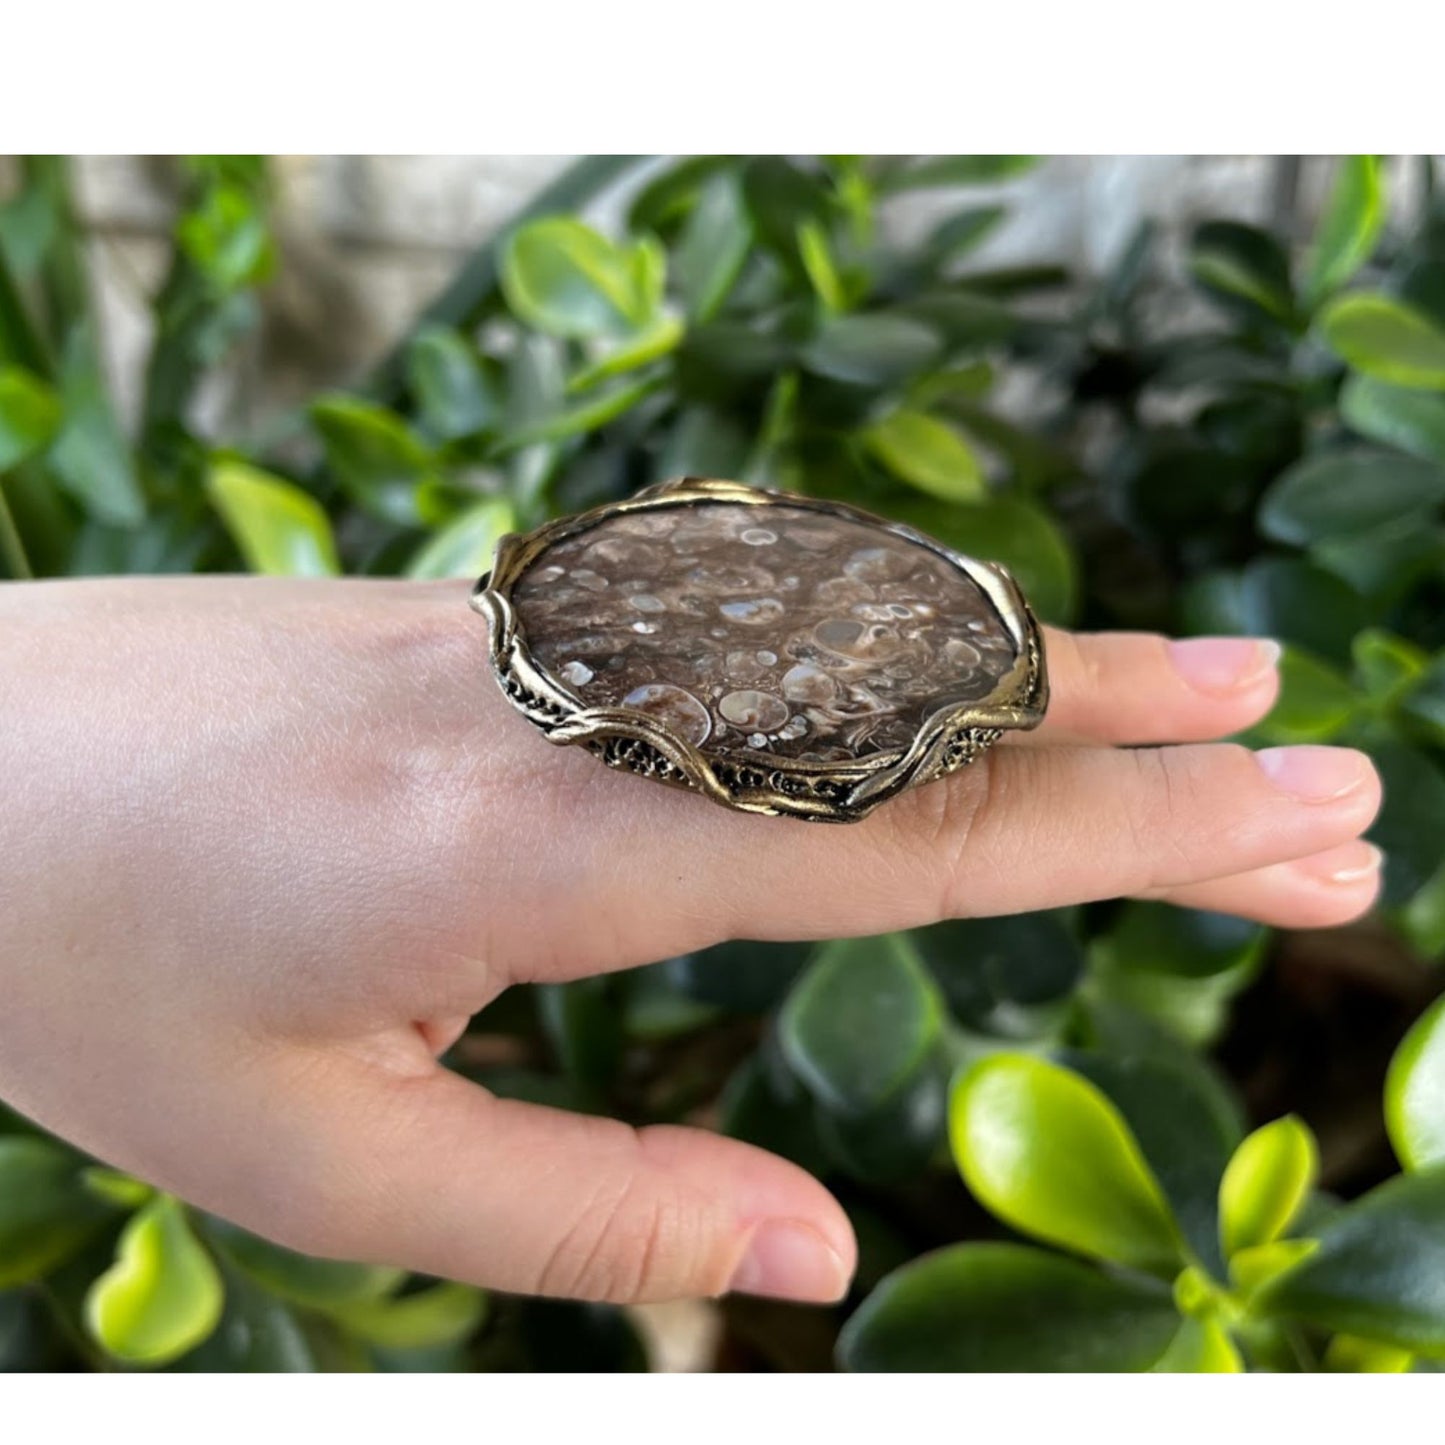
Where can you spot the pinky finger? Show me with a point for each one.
(1321, 891)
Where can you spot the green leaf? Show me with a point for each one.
(1243, 265)
(961, 233)
(442, 1314)
(227, 239)
(1002, 975)
(1350, 225)
(377, 457)
(1007, 1307)
(580, 420)
(817, 256)
(1415, 1092)
(1186, 1125)
(927, 454)
(324, 1284)
(584, 1023)
(1379, 1268)
(91, 457)
(896, 1141)
(1408, 828)
(861, 1022)
(955, 171)
(454, 393)
(257, 1334)
(740, 976)
(46, 1213)
(162, 1296)
(1006, 529)
(713, 247)
(1386, 338)
(29, 415)
(1182, 942)
(1387, 666)
(565, 279)
(1350, 1355)
(464, 547)
(782, 195)
(874, 349)
(280, 530)
(1340, 494)
(1251, 1269)
(1266, 1183)
(1202, 1347)
(1413, 421)
(658, 340)
(1046, 1151)
(1315, 701)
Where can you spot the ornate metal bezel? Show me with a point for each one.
(758, 782)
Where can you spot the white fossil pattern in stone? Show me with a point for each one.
(810, 637)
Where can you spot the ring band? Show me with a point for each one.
(779, 654)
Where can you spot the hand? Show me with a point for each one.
(268, 844)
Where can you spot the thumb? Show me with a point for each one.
(437, 1175)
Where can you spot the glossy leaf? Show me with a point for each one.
(1379, 1268)
(1350, 225)
(1408, 825)
(1202, 1347)
(1007, 1307)
(1243, 264)
(1266, 1183)
(464, 547)
(1340, 494)
(1387, 666)
(46, 1213)
(1396, 416)
(585, 417)
(894, 1142)
(456, 396)
(90, 456)
(927, 454)
(29, 415)
(441, 1314)
(162, 1296)
(741, 976)
(1350, 1355)
(872, 349)
(1050, 1155)
(1185, 942)
(1415, 1092)
(956, 171)
(257, 1334)
(377, 457)
(565, 279)
(227, 239)
(1186, 1125)
(630, 354)
(1386, 339)
(818, 262)
(299, 1278)
(279, 529)
(998, 974)
(1315, 701)
(713, 247)
(861, 1022)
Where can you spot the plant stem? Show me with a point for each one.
(12, 548)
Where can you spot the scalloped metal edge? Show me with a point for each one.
(948, 739)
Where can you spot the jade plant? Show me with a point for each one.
(1189, 1248)
(1247, 437)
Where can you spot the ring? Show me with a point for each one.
(779, 654)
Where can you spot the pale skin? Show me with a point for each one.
(268, 844)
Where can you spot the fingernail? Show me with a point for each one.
(788, 1260)
(1361, 861)
(1314, 774)
(1223, 664)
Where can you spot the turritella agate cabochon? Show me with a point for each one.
(778, 653)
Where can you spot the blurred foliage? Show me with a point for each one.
(1249, 438)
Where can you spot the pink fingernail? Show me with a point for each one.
(789, 1260)
(1314, 774)
(1223, 664)
(1344, 867)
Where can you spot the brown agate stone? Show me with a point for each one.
(776, 629)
